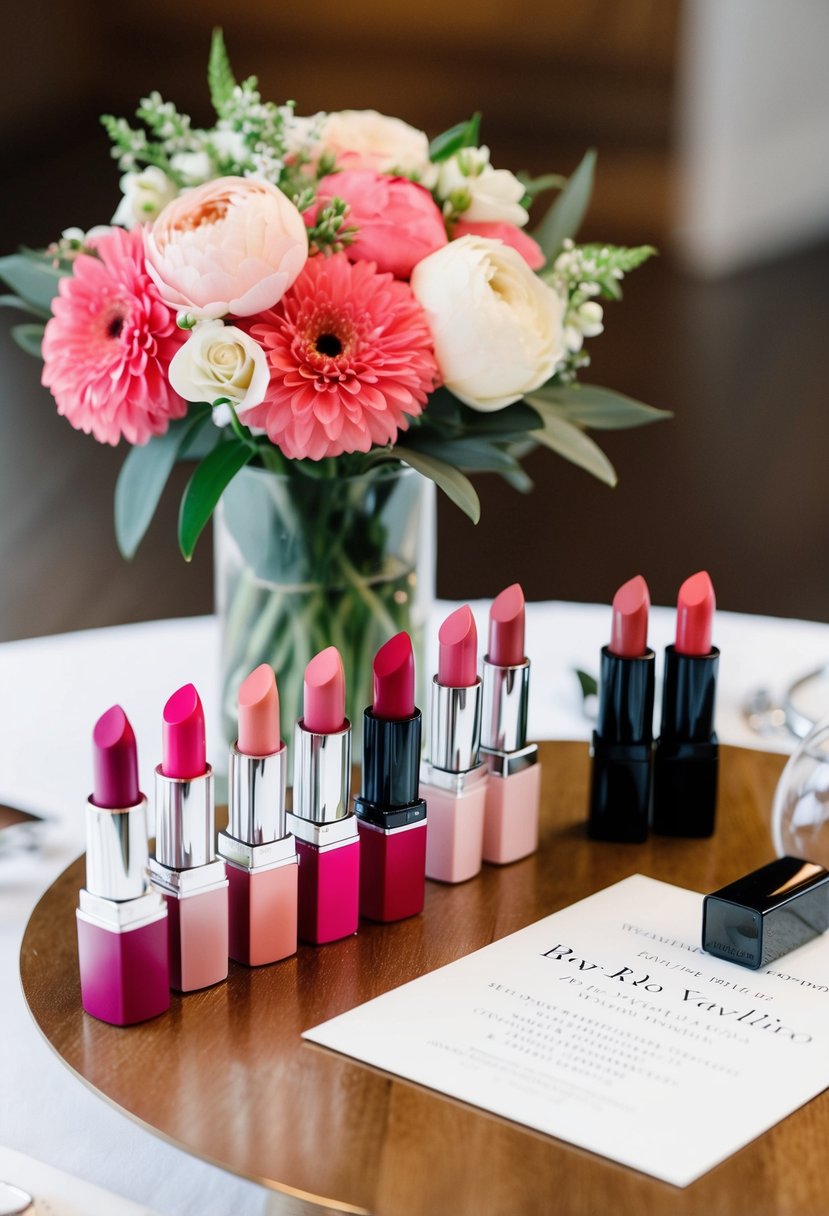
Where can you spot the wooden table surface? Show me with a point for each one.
(225, 1075)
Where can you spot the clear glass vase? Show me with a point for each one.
(302, 563)
(800, 812)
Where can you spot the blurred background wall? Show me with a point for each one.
(711, 120)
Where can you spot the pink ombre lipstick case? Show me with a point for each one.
(514, 786)
(259, 852)
(327, 839)
(453, 780)
(121, 921)
(185, 869)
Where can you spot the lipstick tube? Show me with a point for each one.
(121, 920)
(327, 838)
(391, 815)
(514, 774)
(622, 744)
(686, 758)
(453, 779)
(184, 868)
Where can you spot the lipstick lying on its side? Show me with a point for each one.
(122, 921)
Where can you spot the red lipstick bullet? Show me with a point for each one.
(620, 792)
(687, 752)
(390, 813)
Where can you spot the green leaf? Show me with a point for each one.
(206, 487)
(534, 186)
(567, 212)
(601, 408)
(144, 475)
(518, 479)
(563, 437)
(512, 420)
(28, 338)
(462, 135)
(453, 483)
(220, 76)
(23, 306)
(476, 455)
(589, 684)
(33, 278)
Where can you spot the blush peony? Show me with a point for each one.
(398, 222)
(350, 358)
(233, 245)
(109, 344)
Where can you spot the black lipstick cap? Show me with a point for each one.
(686, 758)
(620, 785)
(390, 794)
(767, 913)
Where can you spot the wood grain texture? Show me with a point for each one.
(226, 1076)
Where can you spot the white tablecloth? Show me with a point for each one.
(51, 692)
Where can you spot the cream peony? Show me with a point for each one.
(482, 194)
(364, 139)
(497, 328)
(219, 360)
(145, 194)
(233, 245)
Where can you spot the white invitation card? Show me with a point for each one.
(606, 1025)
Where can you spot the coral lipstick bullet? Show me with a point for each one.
(514, 782)
(687, 752)
(620, 790)
(390, 813)
(121, 920)
(259, 851)
(185, 868)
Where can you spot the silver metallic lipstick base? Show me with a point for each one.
(453, 783)
(454, 727)
(505, 697)
(116, 851)
(185, 821)
(325, 835)
(256, 796)
(322, 776)
(506, 764)
(257, 857)
(119, 916)
(195, 880)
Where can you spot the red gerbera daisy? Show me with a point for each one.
(350, 357)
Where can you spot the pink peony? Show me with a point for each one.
(350, 358)
(233, 245)
(398, 221)
(109, 344)
(529, 249)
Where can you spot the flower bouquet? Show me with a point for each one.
(325, 315)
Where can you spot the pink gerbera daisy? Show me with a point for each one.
(109, 343)
(350, 357)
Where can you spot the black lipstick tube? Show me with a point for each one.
(620, 787)
(687, 751)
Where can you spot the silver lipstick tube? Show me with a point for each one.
(322, 775)
(257, 836)
(185, 845)
(504, 746)
(454, 738)
(116, 851)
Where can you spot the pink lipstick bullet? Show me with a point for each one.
(327, 839)
(390, 813)
(185, 869)
(514, 786)
(122, 921)
(259, 852)
(453, 779)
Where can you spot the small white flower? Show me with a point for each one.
(145, 195)
(230, 144)
(193, 167)
(220, 361)
(482, 194)
(582, 322)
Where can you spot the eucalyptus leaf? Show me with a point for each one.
(23, 306)
(567, 212)
(512, 420)
(476, 455)
(453, 483)
(34, 279)
(534, 186)
(601, 408)
(462, 135)
(29, 338)
(571, 443)
(517, 478)
(142, 479)
(206, 487)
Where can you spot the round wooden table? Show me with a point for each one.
(225, 1075)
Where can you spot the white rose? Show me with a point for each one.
(364, 139)
(483, 194)
(497, 328)
(218, 361)
(194, 167)
(145, 194)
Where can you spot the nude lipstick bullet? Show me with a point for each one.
(686, 757)
(514, 784)
(327, 838)
(121, 921)
(185, 869)
(620, 792)
(258, 850)
(391, 815)
(453, 779)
